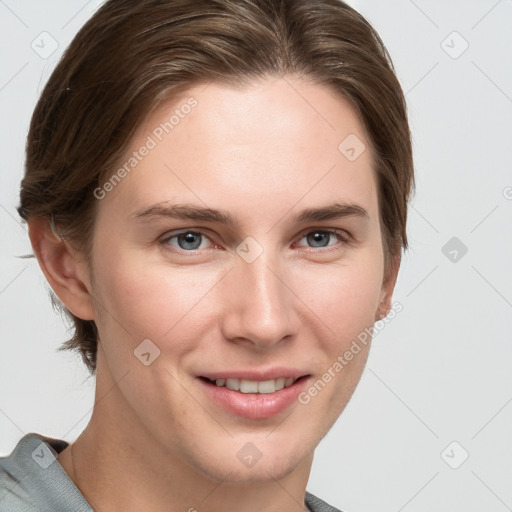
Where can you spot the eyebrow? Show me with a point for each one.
(204, 214)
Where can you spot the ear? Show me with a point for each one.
(388, 285)
(64, 269)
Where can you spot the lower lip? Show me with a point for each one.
(255, 406)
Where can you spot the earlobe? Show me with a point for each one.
(64, 270)
(388, 285)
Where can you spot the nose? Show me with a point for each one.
(258, 305)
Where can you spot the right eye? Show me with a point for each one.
(186, 241)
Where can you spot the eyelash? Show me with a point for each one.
(343, 236)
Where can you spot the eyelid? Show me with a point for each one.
(336, 231)
(344, 238)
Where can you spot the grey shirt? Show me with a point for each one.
(32, 480)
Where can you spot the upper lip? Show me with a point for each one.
(256, 375)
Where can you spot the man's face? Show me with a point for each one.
(268, 296)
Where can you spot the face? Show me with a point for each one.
(267, 272)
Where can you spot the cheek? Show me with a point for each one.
(151, 299)
(345, 297)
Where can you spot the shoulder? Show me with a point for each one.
(317, 505)
(31, 478)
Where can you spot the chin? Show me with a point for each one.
(242, 462)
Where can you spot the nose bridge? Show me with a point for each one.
(261, 308)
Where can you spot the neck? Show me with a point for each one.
(118, 465)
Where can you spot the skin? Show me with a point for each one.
(263, 153)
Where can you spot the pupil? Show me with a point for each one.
(318, 237)
(188, 241)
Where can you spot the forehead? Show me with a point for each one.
(277, 141)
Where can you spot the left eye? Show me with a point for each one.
(321, 238)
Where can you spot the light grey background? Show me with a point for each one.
(440, 372)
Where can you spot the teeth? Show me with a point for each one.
(248, 386)
(267, 386)
(233, 384)
(252, 386)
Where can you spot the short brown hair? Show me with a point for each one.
(132, 56)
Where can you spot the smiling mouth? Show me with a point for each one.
(252, 386)
(255, 399)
